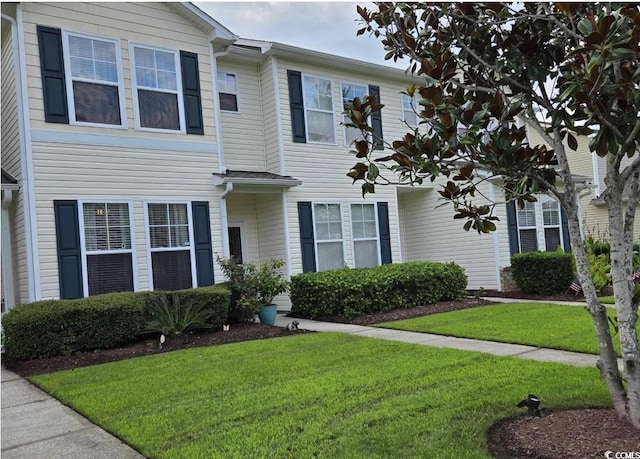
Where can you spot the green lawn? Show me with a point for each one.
(536, 324)
(324, 395)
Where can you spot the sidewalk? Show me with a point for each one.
(37, 426)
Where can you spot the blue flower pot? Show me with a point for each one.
(267, 313)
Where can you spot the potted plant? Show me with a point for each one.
(270, 281)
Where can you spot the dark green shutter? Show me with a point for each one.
(385, 234)
(68, 247)
(202, 242)
(54, 89)
(305, 218)
(297, 106)
(376, 120)
(565, 231)
(191, 92)
(512, 226)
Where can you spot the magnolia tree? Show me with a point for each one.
(488, 73)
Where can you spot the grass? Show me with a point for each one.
(537, 324)
(324, 395)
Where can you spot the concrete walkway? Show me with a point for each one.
(37, 426)
(490, 347)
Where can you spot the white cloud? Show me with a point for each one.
(328, 27)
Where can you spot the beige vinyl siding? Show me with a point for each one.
(97, 173)
(271, 234)
(269, 115)
(431, 234)
(153, 24)
(243, 131)
(9, 126)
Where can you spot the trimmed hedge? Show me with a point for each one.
(352, 292)
(542, 272)
(61, 327)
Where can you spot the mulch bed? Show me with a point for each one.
(567, 434)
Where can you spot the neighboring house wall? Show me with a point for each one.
(99, 163)
(595, 220)
(11, 163)
(429, 232)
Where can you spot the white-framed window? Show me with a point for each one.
(409, 105)
(364, 236)
(349, 93)
(540, 225)
(170, 247)
(95, 92)
(157, 89)
(107, 247)
(318, 105)
(228, 91)
(329, 239)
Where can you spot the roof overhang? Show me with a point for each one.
(254, 182)
(218, 34)
(268, 48)
(9, 182)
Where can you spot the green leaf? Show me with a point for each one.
(573, 143)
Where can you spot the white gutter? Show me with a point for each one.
(26, 157)
(286, 183)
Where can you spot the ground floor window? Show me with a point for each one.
(328, 236)
(107, 247)
(364, 234)
(170, 246)
(539, 225)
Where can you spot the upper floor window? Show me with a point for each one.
(349, 93)
(409, 104)
(94, 80)
(228, 91)
(318, 105)
(157, 89)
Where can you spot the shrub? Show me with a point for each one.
(215, 298)
(542, 272)
(61, 327)
(351, 292)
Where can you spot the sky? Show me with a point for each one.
(321, 26)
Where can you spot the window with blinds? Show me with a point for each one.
(107, 247)
(329, 240)
(539, 225)
(364, 233)
(170, 246)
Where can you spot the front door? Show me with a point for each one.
(235, 241)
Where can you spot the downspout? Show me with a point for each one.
(7, 253)
(26, 158)
(213, 56)
(224, 220)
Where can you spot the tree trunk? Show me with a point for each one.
(608, 363)
(621, 234)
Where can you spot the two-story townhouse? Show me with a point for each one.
(109, 130)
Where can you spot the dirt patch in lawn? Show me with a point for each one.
(570, 434)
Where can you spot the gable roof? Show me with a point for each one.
(217, 32)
